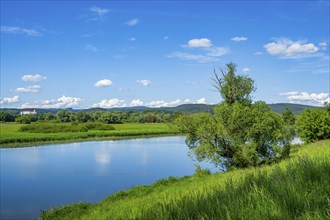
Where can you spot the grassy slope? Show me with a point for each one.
(11, 137)
(298, 188)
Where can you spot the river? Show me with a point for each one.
(38, 178)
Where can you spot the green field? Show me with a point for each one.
(297, 188)
(10, 136)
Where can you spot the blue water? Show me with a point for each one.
(37, 178)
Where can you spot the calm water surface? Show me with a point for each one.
(37, 178)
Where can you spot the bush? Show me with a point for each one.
(313, 125)
(199, 171)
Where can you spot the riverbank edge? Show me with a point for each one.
(307, 154)
(89, 139)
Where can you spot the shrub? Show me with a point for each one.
(313, 125)
(199, 171)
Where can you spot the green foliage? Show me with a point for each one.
(313, 125)
(199, 171)
(233, 88)
(67, 211)
(82, 117)
(239, 134)
(297, 188)
(49, 116)
(64, 116)
(327, 106)
(6, 117)
(288, 116)
(26, 119)
(109, 118)
(236, 135)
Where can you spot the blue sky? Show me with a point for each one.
(82, 54)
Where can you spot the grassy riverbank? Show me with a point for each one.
(11, 136)
(297, 188)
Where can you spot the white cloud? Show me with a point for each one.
(217, 51)
(203, 42)
(33, 78)
(162, 103)
(144, 82)
(238, 39)
(201, 101)
(110, 103)
(132, 39)
(206, 51)
(8, 100)
(323, 44)
(289, 93)
(20, 30)
(132, 22)
(136, 102)
(315, 67)
(62, 102)
(165, 37)
(98, 13)
(123, 89)
(285, 48)
(257, 53)
(245, 70)
(91, 47)
(103, 83)
(113, 103)
(193, 82)
(307, 98)
(28, 89)
(192, 57)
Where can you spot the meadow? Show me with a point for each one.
(296, 188)
(14, 135)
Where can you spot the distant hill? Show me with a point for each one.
(296, 108)
(186, 108)
(194, 108)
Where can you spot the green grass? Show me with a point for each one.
(297, 188)
(11, 136)
(64, 128)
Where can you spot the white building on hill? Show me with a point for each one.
(29, 112)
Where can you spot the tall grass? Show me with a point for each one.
(62, 128)
(297, 188)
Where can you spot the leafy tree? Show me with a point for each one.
(327, 106)
(289, 120)
(49, 116)
(239, 134)
(6, 117)
(83, 117)
(64, 116)
(313, 125)
(96, 115)
(233, 88)
(24, 119)
(109, 118)
(288, 116)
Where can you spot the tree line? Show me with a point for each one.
(109, 117)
